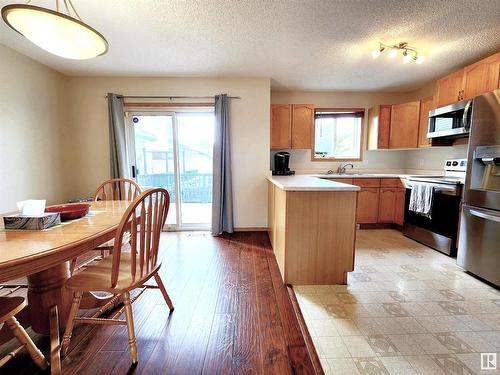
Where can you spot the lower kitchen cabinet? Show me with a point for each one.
(368, 203)
(380, 200)
(399, 211)
(391, 205)
(312, 234)
(387, 205)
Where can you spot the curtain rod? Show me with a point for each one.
(169, 97)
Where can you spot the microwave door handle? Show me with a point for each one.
(466, 115)
(484, 215)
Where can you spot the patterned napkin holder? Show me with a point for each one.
(31, 216)
(32, 223)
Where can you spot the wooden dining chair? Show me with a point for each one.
(112, 189)
(9, 307)
(123, 271)
(117, 189)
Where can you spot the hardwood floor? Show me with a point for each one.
(232, 315)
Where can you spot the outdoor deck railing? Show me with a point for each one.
(195, 187)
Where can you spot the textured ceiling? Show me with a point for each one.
(304, 44)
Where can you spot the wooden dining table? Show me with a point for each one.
(44, 256)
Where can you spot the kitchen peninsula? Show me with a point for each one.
(312, 225)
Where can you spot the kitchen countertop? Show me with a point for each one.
(322, 182)
(309, 183)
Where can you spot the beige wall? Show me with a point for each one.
(379, 160)
(31, 105)
(433, 159)
(88, 118)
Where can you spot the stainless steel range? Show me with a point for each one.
(479, 245)
(439, 229)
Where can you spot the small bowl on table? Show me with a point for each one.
(70, 211)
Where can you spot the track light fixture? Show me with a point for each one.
(410, 54)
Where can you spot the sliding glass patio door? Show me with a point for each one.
(173, 150)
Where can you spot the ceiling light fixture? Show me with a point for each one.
(62, 34)
(409, 53)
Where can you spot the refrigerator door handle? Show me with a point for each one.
(466, 121)
(484, 215)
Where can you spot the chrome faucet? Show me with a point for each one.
(341, 168)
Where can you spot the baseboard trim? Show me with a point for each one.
(250, 229)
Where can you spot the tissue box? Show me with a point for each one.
(32, 223)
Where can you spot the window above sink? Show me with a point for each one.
(337, 134)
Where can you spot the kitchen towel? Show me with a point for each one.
(421, 199)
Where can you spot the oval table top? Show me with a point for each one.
(23, 252)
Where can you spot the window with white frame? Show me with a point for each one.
(337, 134)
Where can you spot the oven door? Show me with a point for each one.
(479, 245)
(439, 231)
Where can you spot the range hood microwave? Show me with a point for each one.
(451, 121)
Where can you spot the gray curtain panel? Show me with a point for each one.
(117, 141)
(222, 193)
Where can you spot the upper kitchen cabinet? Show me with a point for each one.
(281, 126)
(475, 79)
(291, 126)
(302, 123)
(404, 125)
(379, 122)
(481, 77)
(450, 88)
(426, 105)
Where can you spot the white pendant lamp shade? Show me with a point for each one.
(55, 32)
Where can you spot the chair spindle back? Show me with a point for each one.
(117, 189)
(144, 220)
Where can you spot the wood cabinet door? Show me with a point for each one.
(387, 205)
(423, 124)
(481, 77)
(367, 208)
(302, 125)
(384, 126)
(399, 211)
(404, 125)
(281, 126)
(449, 88)
(379, 122)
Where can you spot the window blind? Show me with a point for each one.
(330, 114)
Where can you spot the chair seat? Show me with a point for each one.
(10, 306)
(97, 277)
(111, 243)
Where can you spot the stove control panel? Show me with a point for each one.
(459, 165)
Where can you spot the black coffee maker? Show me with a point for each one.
(281, 162)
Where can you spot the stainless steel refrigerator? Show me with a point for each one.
(479, 239)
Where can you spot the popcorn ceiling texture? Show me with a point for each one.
(308, 45)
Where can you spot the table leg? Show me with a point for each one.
(45, 290)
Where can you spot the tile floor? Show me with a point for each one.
(407, 309)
